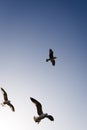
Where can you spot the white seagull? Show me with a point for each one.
(6, 101)
(40, 112)
(51, 57)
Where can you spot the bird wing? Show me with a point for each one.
(50, 117)
(50, 54)
(4, 94)
(38, 106)
(53, 62)
(12, 107)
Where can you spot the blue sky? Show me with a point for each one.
(27, 30)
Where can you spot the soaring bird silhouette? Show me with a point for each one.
(40, 112)
(51, 57)
(6, 101)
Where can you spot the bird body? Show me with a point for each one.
(40, 112)
(6, 101)
(40, 117)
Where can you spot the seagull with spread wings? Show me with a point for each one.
(51, 57)
(40, 112)
(6, 101)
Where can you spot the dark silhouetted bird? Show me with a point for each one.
(40, 112)
(51, 57)
(6, 101)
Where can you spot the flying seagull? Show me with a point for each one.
(40, 112)
(6, 101)
(51, 57)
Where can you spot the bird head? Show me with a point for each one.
(2, 103)
(36, 119)
(55, 57)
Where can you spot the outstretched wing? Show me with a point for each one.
(50, 54)
(50, 117)
(53, 62)
(38, 106)
(4, 94)
(12, 107)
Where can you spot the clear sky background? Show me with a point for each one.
(28, 28)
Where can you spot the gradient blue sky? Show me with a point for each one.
(28, 28)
